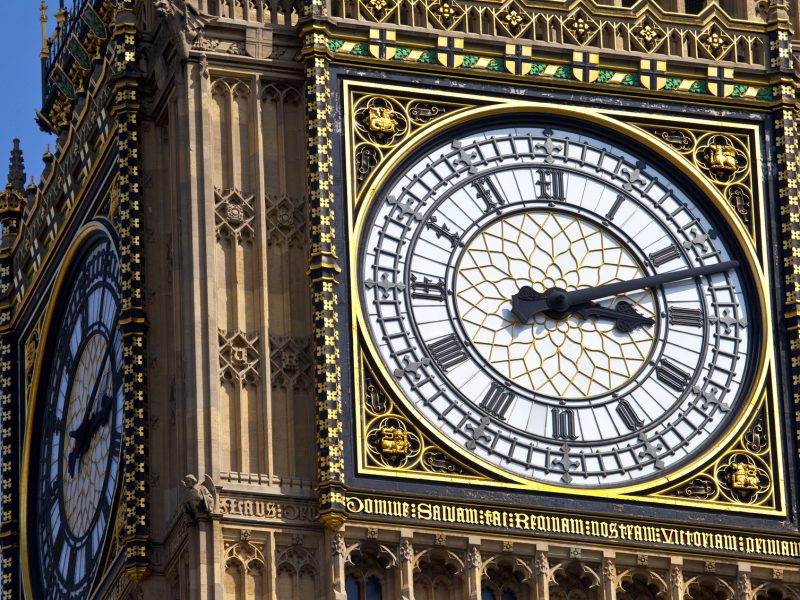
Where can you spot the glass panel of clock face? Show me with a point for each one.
(80, 434)
(619, 388)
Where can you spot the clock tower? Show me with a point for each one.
(406, 299)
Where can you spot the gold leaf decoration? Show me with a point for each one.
(740, 475)
(724, 159)
(381, 123)
(393, 442)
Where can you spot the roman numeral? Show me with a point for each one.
(612, 212)
(564, 424)
(550, 184)
(497, 401)
(427, 289)
(689, 317)
(628, 416)
(442, 231)
(487, 192)
(447, 352)
(672, 375)
(664, 255)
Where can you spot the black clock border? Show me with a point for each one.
(720, 118)
(49, 349)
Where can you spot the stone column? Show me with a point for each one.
(609, 578)
(406, 556)
(474, 567)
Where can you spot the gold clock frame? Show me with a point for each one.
(763, 390)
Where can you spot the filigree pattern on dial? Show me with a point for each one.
(82, 491)
(568, 358)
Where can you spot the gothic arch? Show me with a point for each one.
(438, 575)
(707, 587)
(370, 570)
(297, 574)
(641, 584)
(505, 577)
(774, 591)
(574, 580)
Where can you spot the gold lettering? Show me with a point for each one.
(749, 545)
(471, 516)
(424, 511)
(577, 526)
(448, 514)
(437, 512)
(785, 549)
(521, 521)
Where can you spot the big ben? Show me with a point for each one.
(405, 299)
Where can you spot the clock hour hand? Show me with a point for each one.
(527, 302)
(83, 433)
(626, 317)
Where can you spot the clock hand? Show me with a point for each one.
(626, 316)
(80, 433)
(527, 302)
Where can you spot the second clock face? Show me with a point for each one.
(470, 262)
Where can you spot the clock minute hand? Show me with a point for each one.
(81, 434)
(527, 302)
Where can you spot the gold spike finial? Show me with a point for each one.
(43, 18)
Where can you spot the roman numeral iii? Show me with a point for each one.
(497, 401)
(564, 424)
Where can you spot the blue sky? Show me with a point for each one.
(20, 70)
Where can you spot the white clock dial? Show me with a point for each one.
(608, 391)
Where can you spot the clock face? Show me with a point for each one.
(556, 306)
(79, 436)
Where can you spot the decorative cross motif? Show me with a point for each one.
(550, 149)
(650, 450)
(728, 321)
(633, 177)
(710, 398)
(565, 464)
(478, 433)
(465, 158)
(385, 285)
(412, 367)
(405, 207)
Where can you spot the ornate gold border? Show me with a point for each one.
(610, 120)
